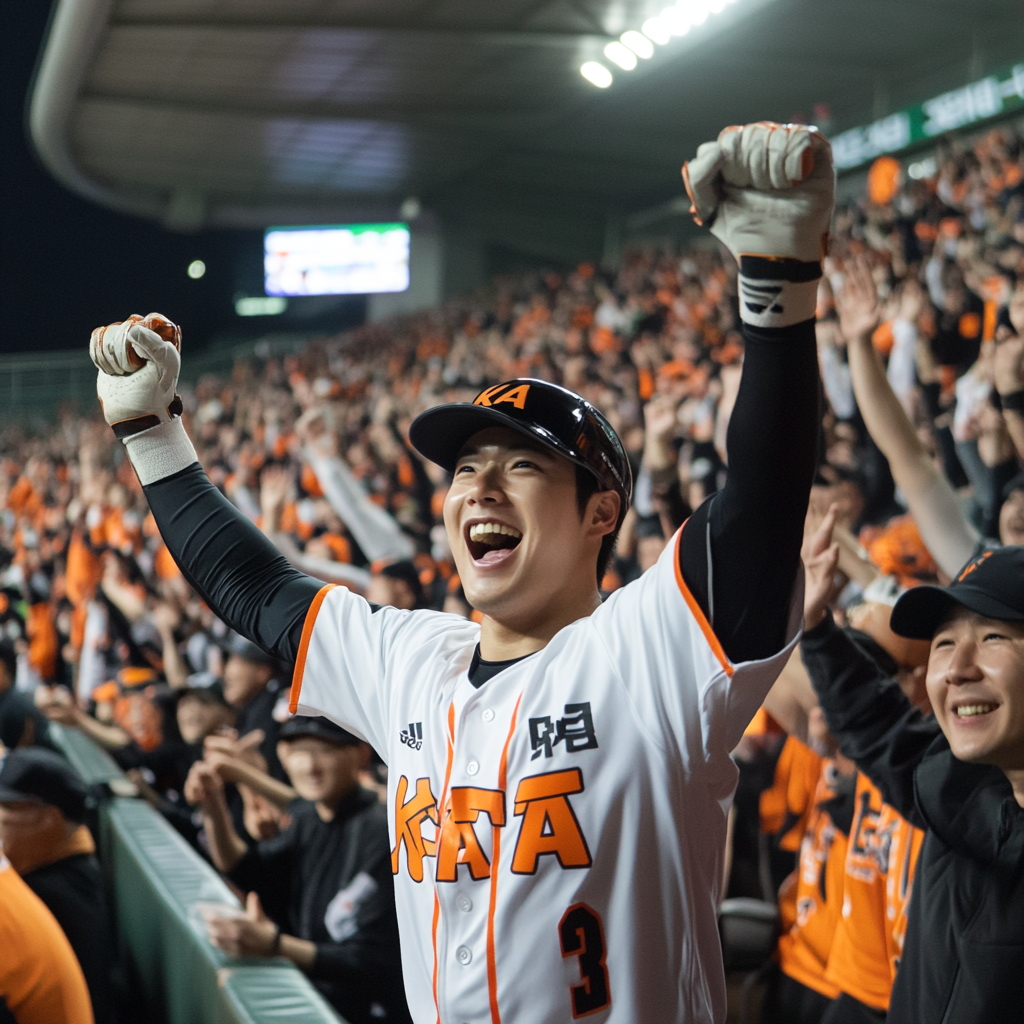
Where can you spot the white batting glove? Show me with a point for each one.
(138, 362)
(766, 191)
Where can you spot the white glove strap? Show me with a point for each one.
(777, 292)
(160, 451)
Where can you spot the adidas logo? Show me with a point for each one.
(760, 297)
(412, 735)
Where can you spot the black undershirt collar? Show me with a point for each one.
(480, 671)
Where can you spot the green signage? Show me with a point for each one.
(997, 94)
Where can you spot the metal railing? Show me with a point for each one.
(157, 880)
(36, 387)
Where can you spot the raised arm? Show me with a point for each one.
(232, 566)
(944, 527)
(764, 189)
(873, 722)
(1009, 374)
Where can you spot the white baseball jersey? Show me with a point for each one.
(557, 834)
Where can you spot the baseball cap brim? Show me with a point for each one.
(441, 433)
(921, 610)
(14, 796)
(321, 729)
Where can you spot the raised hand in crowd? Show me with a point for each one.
(276, 487)
(944, 527)
(820, 556)
(1008, 375)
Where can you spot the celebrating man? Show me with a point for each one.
(559, 774)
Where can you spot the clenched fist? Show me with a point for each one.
(766, 192)
(138, 362)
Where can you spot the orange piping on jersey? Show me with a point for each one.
(307, 632)
(695, 609)
(440, 825)
(492, 964)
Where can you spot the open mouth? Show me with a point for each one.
(489, 543)
(975, 710)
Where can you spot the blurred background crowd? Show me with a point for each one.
(921, 340)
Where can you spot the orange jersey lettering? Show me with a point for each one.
(409, 819)
(549, 824)
(458, 843)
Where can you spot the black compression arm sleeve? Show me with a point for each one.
(234, 568)
(756, 521)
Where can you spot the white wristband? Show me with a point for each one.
(160, 451)
(776, 303)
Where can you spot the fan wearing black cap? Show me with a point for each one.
(43, 835)
(559, 775)
(958, 774)
(325, 879)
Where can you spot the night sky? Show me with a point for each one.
(69, 265)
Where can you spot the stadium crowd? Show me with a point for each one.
(921, 345)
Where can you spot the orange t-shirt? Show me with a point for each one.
(811, 899)
(904, 848)
(40, 978)
(788, 804)
(869, 936)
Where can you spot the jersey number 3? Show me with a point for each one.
(581, 934)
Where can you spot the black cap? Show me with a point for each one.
(1014, 484)
(556, 417)
(989, 585)
(211, 695)
(39, 776)
(321, 728)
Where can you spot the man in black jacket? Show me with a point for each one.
(325, 880)
(959, 775)
(43, 835)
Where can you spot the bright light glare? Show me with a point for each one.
(621, 55)
(656, 29)
(196, 269)
(675, 20)
(696, 11)
(598, 74)
(716, 6)
(259, 305)
(639, 44)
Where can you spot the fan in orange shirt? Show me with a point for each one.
(41, 981)
(811, 899)
(880, 862)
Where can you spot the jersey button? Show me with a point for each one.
(463, 954)
(465, 904)
(488, 715)
(472, 768)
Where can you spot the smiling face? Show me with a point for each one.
(520, 545)
(321, 771)
(976, 686)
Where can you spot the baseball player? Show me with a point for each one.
(559, 775)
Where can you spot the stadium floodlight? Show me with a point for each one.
(656, 30)
(638, 43)
(621, 55)
(675, 20)
(196, 269)
(597, 74)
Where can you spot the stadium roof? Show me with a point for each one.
(253, 112)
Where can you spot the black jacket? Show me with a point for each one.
(963, 958)
(331, 884)
(73, 890)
